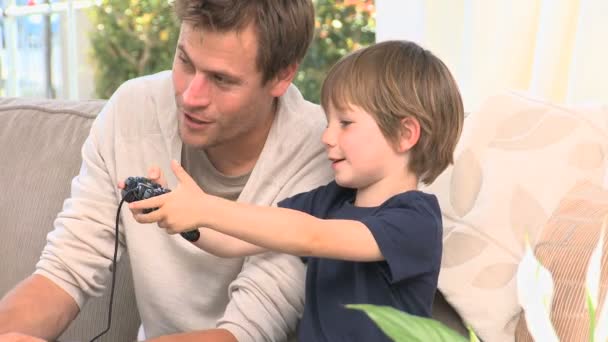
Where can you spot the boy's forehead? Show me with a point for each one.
(342, 108)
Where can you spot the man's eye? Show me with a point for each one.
(183, 59)
(185, 62)
(221, 79)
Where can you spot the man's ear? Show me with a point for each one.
(410, 134)
(280, 83)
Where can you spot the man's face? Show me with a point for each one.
(221, 101)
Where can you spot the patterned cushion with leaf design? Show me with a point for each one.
(516, 160)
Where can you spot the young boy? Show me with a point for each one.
(394, 117)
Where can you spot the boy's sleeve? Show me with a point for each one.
(409, 239)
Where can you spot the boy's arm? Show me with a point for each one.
(279, 229)
(225, 246)
(293, 232)
(211, 241)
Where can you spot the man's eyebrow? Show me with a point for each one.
(225, 73)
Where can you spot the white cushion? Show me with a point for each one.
(517, 158)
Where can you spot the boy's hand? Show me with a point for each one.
(155, 175)
(179, 210)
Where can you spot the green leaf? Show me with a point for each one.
(402, 327)
(472, 336)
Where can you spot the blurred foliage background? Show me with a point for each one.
(134, 38)
(131, 38)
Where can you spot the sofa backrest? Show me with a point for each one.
(40, 142)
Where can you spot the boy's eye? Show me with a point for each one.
(345, 123)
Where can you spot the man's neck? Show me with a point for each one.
(239, 158)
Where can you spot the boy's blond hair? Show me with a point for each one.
(393, 80)
(284, 28)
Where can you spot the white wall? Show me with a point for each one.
(400, 19)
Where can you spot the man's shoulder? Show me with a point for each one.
(148, 85)
(297, 112)
(142, 104)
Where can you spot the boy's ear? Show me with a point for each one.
(282, 80)
(410, 134)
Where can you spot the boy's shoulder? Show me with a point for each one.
(416, 200)
(322, 198)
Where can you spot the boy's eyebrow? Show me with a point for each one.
(224, 73)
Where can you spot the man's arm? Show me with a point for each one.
(214, 335)
(37, 307)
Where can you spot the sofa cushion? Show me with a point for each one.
(517, 158)
(40, 142)
(564, 248)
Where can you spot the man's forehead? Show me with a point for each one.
(233, 52)
(245, 37)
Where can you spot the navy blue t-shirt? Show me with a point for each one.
(408, 230)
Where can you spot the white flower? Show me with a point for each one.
(535, 295)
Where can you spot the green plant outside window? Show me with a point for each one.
(134, 38)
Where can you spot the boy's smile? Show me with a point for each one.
(361, 156)
(335, 162)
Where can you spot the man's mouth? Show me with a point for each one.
(191, 119)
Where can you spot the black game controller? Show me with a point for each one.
(141, 188)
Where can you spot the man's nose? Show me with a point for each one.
(198, 92)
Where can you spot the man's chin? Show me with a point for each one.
(193, 140)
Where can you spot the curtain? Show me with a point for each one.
(553, 49)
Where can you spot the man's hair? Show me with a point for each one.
(284, 28)
(393, 80)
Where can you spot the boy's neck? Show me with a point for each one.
(377, 193)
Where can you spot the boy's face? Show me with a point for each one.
(221, 101)
(362, 158)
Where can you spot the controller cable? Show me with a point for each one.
(114, 265)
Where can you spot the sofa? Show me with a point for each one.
(511, 175)
(40, 143)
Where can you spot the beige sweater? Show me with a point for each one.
(178, 286)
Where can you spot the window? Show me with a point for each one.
(55, 48)
(40, 46)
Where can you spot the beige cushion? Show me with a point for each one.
(564, 248)
(40, 143)
(516, 160)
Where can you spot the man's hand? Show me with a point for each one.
(17, 337)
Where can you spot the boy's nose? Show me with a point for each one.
(328, 138)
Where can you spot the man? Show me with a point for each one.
(242, 131)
